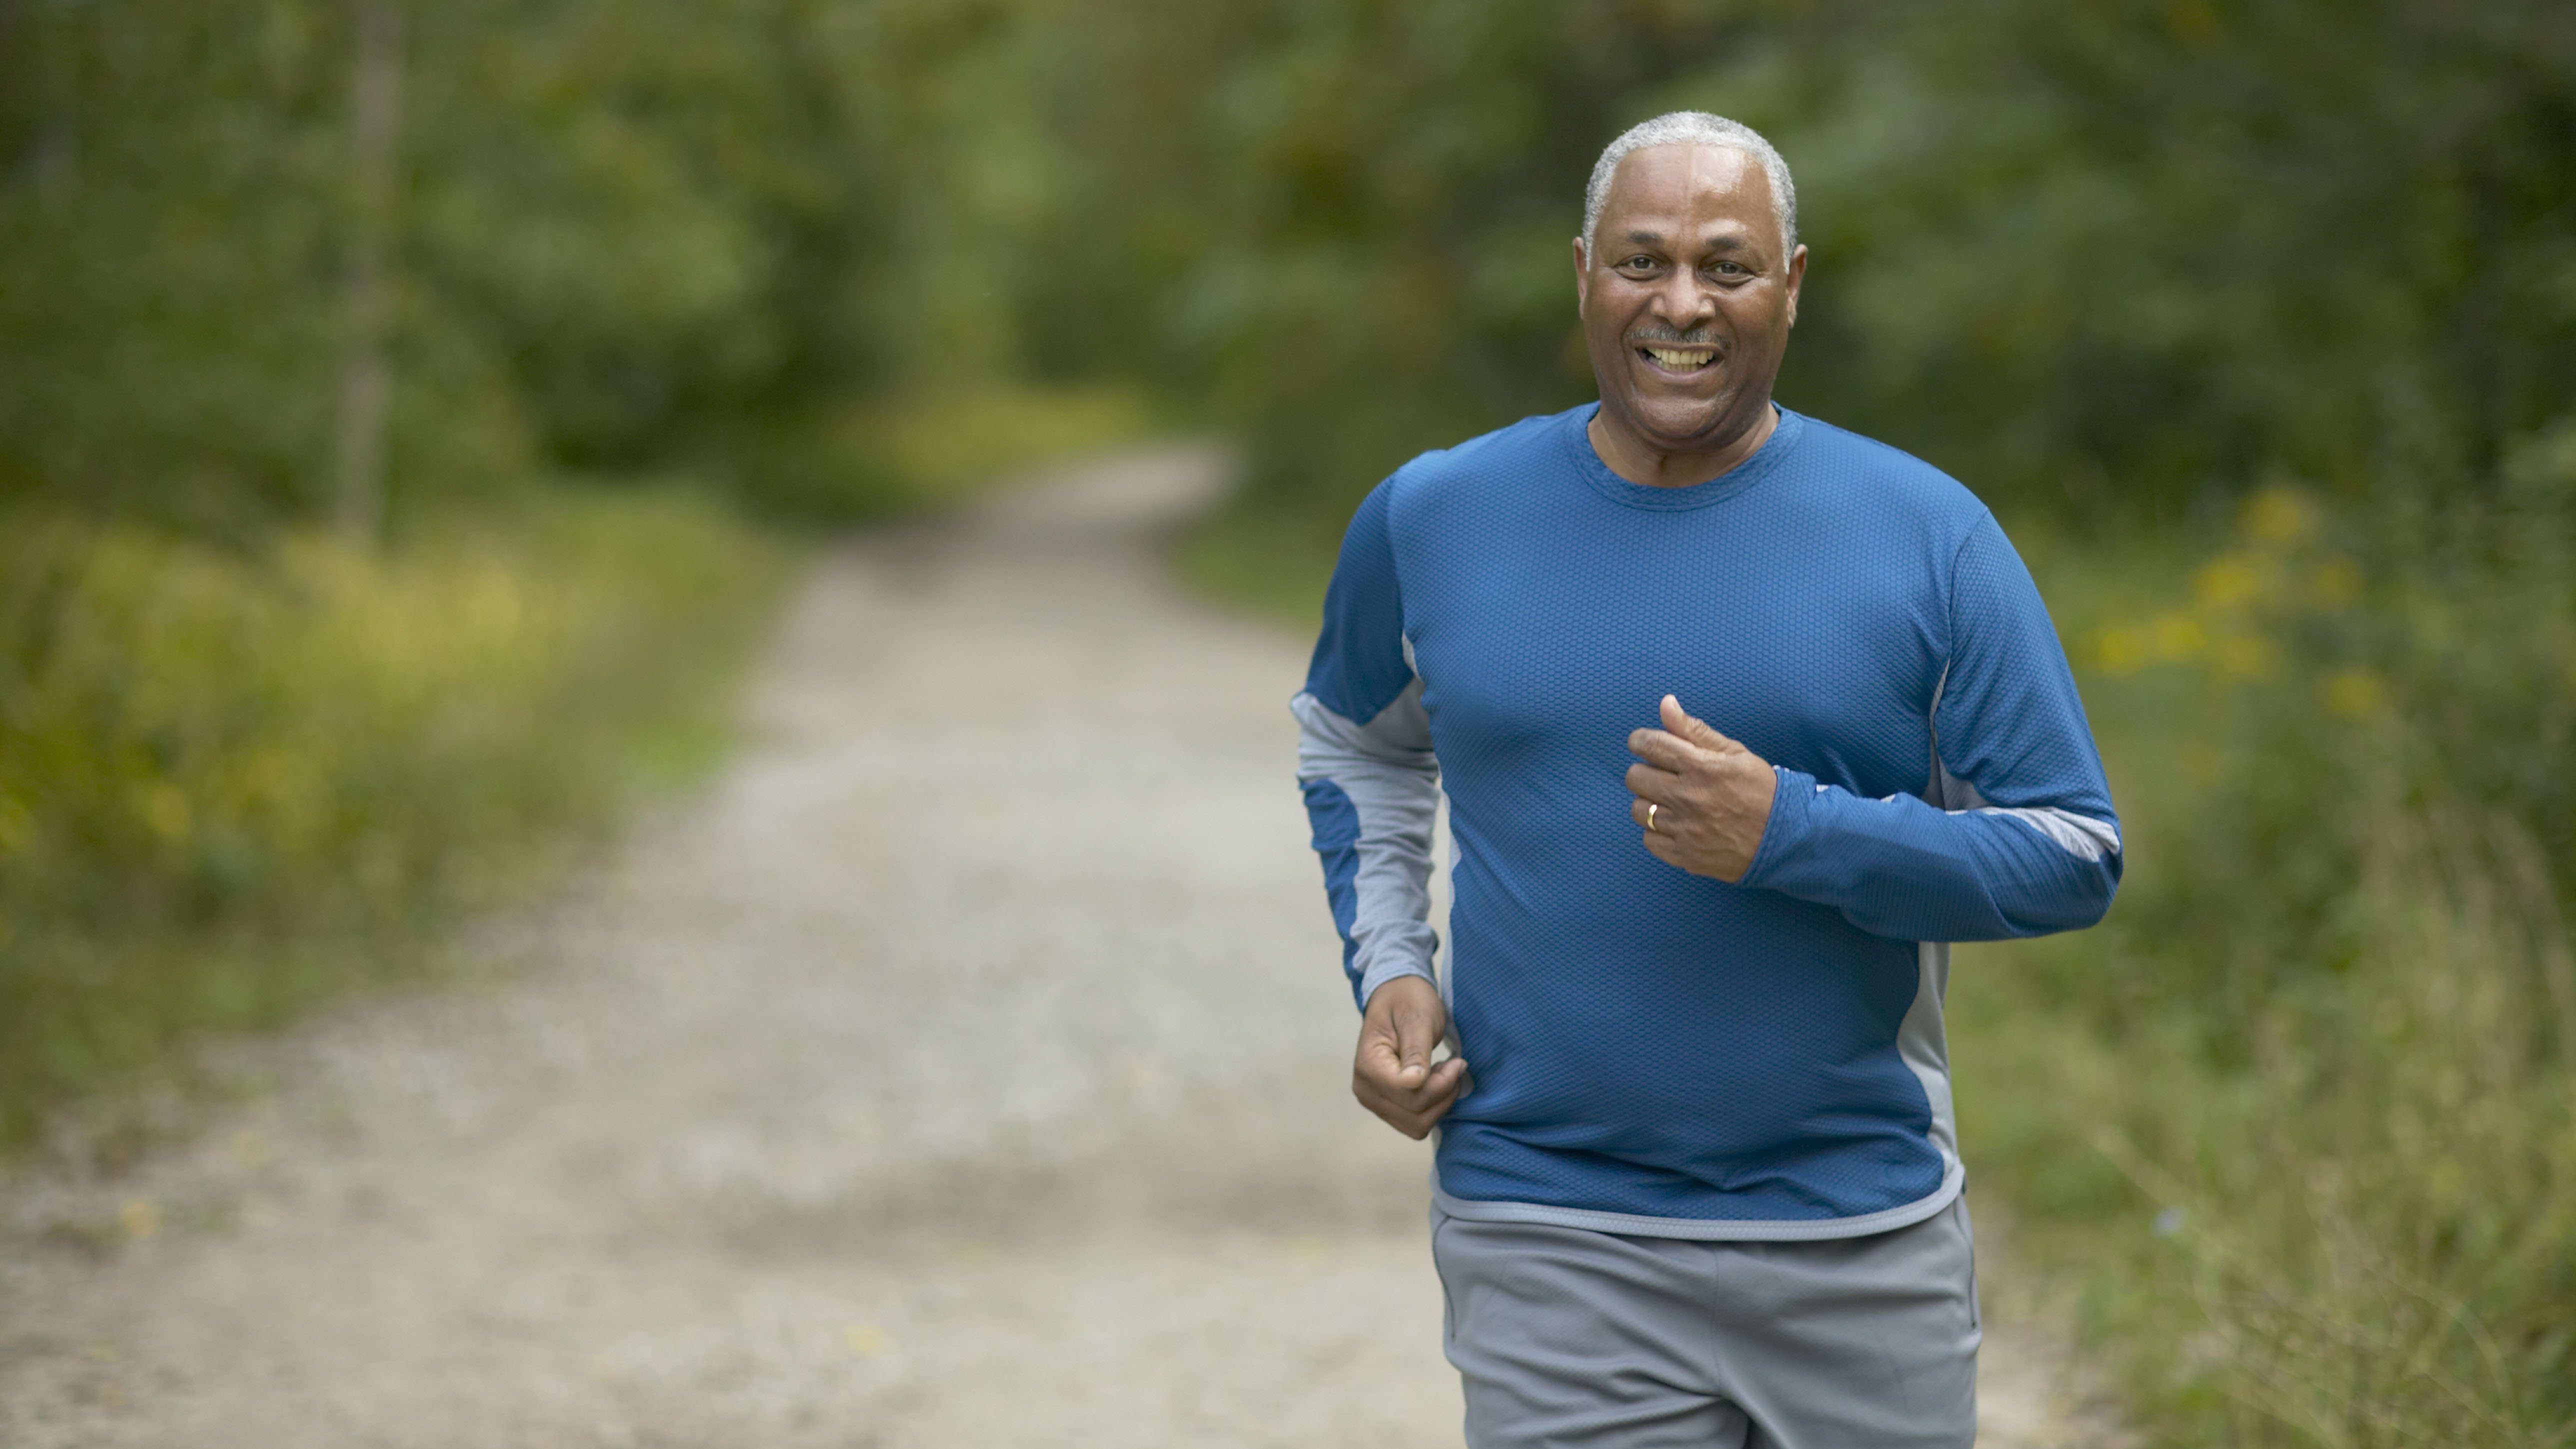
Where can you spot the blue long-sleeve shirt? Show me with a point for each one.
(1652, 1051)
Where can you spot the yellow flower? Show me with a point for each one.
(2242, 656)
(2120, 650)
(2179, 636)
(2231, 580)
(2336, 582)
(165, 808)
(2280, 515)
(2356, 693)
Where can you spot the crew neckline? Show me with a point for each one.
(1764, 462)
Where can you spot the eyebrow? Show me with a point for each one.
(1720, 243)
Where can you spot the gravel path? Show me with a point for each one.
(966, 1067)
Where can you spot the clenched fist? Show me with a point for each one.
(1392, 1073)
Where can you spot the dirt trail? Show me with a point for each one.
(966, 1067)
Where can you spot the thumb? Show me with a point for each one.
(1412, 1046)
(1680, 722)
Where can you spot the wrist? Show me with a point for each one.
(1381, 977)
(1785, 826)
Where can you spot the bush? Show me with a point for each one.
(2302, 1115)
(237, 780)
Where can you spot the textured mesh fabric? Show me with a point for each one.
(1652, 1043)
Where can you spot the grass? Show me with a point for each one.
(236, 783)
(2299, 1119)
(861, 462)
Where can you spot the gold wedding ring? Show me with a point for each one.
(1651, 808)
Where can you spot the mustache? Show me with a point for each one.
(1672, 336)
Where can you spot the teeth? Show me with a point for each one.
(1679, 361)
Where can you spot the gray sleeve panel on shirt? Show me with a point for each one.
(1387, 769)
(2081, 836)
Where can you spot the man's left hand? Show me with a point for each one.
(1702, 799)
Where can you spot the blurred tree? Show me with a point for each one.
(2110, 261)
(375, 125)
(622, 234)
(165, 206)
(1351, 220)
(2157, 252)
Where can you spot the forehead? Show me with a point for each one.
(1692, 183)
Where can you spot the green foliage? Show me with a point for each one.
(774, 246)
(234, 782)
(1352, 222)
(2359, 1236)
(2115, 262)
(2160, 251)
(2127, 268)
(2302, 1114)
(626, 236)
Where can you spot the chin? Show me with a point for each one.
(1685, 425)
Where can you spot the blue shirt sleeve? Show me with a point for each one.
(1364, 761)
(1359, 666)
(2017, 837)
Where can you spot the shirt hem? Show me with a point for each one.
(1708, 1230)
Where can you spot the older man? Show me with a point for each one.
(1739, 717)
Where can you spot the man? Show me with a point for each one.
(1739, 717)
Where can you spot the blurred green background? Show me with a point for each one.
(409, 415)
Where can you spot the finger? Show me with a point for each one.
(1666, 751)
(1411, 1111)
(1414, 1037)
(1436, 1087)
(1416, 1125)
(1649, 783)
(1414, 1112)
(1420, 1022)
(1384, 1069)
(1693, 729)
(1379, 1060)
(1386, 1109)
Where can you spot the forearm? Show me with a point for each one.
(1908, 870)
(1373, 793)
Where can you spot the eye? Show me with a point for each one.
(1730, 270)
(1636, 265)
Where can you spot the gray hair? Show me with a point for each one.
(1694, 128)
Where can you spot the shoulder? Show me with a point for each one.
(1897, 484)
(1527, 450)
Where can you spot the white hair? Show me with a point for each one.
(1694, 128)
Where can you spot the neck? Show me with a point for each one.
(1641, 462)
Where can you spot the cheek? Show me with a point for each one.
(1755, 318)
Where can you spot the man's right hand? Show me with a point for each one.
(1393, 1075)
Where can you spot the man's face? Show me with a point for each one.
(1685, 297)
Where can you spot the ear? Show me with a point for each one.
(1797, 278)
(1582, 276)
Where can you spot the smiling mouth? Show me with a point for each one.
(1684, 360)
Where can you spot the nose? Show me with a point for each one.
(1686, 299)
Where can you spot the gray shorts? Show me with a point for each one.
(1572, 1339)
